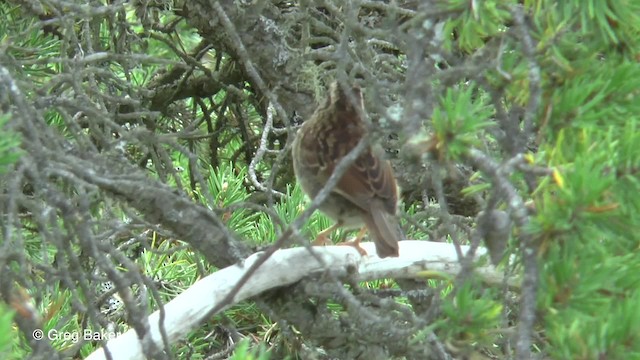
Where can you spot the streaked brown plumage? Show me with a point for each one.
(367, 193)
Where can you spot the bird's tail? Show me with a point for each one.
(385, 230)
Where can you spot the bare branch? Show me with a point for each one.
(187, 310)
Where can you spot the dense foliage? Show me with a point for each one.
(144, 145)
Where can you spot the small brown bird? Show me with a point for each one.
(367, 193)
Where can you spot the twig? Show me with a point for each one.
(535, 90)
(518, 212)
(260, 153)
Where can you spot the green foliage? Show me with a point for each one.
(288, 210)
(604, 100)
(179, 268)
(586, 214)
(9, 142)
(17, 30)
(63, 331)
(585, 218)
(479, 20)
(8, 334)
(244, 351)
(469, 315)
(227, 184)
(591, 306)
(589, 249)
(461, 114)
(425, 221)
(606, 22)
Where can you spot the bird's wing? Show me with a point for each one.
(369, 178)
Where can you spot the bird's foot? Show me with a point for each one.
(322, 240)
(323, 237)
(356, 242)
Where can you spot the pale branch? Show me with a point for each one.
(189, 309)
(262, 149)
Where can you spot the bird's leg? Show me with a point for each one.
(356, 241)
(323, 237)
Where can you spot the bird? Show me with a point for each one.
(367, 193)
